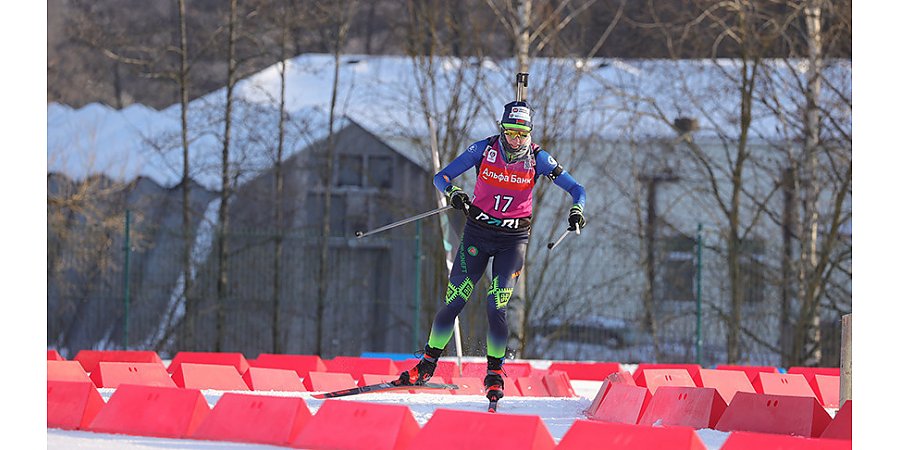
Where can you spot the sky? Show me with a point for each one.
(23, 115)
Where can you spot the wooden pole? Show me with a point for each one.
(846, 363)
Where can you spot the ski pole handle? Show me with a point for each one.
(360, 234)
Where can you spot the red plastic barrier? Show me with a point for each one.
(434, 379)
(531, 387)
(727, 382)
(352, 425)
(454, 430)
(469, 386)
(596, 371)
(827, 389)
(223, 359)
(684, 406)
(112, 374)
(742, 440)
(619, 402)
(357, 366)
(374, 378)
(621, 377)
(841, 427)
(152, 411)
(90, 358)
(53, 355)
(776, 414)
(589, 435)
(652, 379)
(72, 405)
(302, 364)
(810, 372)
(445, 368)
(558, 384)
(782, 384)
(66, 371)
(265, 379)
(208, 376)
(512, 369)
(327, 381)
(750, 371)
(261, 419)
(692, 369)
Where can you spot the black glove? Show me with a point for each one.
(576, 217)
(458, 198)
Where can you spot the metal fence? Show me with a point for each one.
(381, 296)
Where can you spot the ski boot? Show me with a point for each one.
(493, 382)
(423, 371)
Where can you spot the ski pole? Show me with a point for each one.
(554, 244)
(360, 234)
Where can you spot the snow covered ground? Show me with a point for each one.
(558, 415)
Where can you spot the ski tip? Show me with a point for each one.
(492, 410)
(318, 396)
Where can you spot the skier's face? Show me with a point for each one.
(517, 138)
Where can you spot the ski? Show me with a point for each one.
(389, 386)
(492, 407)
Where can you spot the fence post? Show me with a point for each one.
(846, 363)
(698, 343)
(127, 250)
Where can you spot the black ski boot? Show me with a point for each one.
(493, 382)
(423, 371)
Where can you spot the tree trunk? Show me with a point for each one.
(222, 279)
(277, 346)
(190, 307)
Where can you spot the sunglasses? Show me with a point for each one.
(516, 133)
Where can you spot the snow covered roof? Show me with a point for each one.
(613, 98)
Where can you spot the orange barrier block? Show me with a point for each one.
(302, 364)
(727, 382)
(470, 386)
(750, 371)
(597, 371)
(453, 430)
(827, 389)
(684, 406)
(352, 425)
(72, 405)
(782, 384)
(531, 387)
(66, 371)
(776, 414)
(692, 369)
(512, 369)
(841, 426)
(259, 419)
(357, 366)
(327, 381)
(742, 440)
(588, 435)
(208, 376)
(619, 402)
(223, 359)
(152, 411)
(558, 384)
(112, 374)
(810, 372)
(265, 379)
(90, 358)
(53, 355)
(654, 378)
